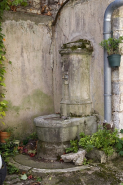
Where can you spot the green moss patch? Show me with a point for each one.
(79, 44)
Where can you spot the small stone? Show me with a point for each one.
(100, 156)
(77, 158)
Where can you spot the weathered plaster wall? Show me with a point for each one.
(117, 75)
(29, 77)
(82, 20)
(34, 79)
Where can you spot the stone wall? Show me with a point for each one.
(29, 78)
(117, 75)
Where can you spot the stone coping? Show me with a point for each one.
(49, 121)
(17, 16)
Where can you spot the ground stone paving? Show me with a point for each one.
(110, 173)
(15, 179)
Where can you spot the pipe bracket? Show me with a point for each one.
(108, 32)
(107, 94)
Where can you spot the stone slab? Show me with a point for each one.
(100, 156)
(76, 158)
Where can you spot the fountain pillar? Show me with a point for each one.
(76, 60)
(55, 131)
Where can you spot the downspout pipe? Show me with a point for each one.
(107, 31)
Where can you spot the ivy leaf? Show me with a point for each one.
(2, 113)
(121, 153)
(3, 123)
(121, 131)
(24, 4)
(3, 84)
(2, 52)
(118, 145)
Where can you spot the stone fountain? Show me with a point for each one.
(56, 130)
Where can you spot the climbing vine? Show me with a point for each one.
(3, 102)
(4, 5)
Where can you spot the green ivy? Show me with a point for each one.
(3, 103)
(7, 150)
(5, 5)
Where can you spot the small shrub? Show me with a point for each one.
(103, 139)
(7, 150)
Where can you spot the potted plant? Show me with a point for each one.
(5, 135)
(112, 45)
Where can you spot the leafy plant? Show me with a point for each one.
(119, 145)
(85, 161)
(38, 179)
(74, 146)
(85, 142)
(8, 150)
(112, 45)
(12, 169)
(32, 136)
(103, 139)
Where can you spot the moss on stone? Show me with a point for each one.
(108, 174)
(74, 48)
(16, 109)
(38, 99)
(82, 43)
(35, 104)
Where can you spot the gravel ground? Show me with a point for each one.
(15, 179)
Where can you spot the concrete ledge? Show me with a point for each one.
(17, 16)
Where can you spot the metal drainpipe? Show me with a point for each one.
(107, 70)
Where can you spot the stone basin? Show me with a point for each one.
(54, 133)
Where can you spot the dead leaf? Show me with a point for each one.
(13, 8)
(49, 13)
(23, 172)
(43, 9)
